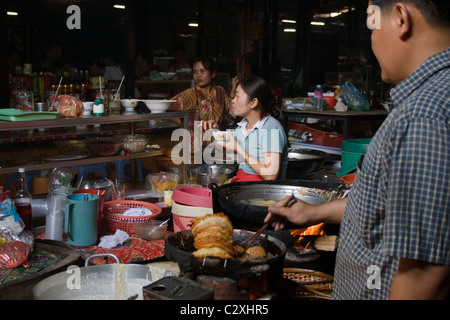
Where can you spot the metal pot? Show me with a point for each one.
(102, 282)
(211, 173)
(102, 184)
(179, 247)
(302, 162)
(234, 199)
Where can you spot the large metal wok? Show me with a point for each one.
(302, 162)
(102, 282)
(237, 200)
(179, 247)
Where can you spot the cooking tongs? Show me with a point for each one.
(249, 242)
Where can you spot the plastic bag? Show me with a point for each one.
(14, 254)
(15, 242)
(353, 98)
(59, 181)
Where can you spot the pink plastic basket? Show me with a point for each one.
(193, 196)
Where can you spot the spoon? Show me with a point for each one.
(163, 223)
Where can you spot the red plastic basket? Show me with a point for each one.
(114, 219)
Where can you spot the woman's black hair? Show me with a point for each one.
(257, 87)
(208, 63)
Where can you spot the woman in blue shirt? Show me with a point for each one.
(259, 139)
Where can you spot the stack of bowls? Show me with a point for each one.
(189, 203)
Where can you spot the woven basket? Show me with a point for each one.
(113, 218)
(318, 282)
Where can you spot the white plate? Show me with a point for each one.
(65, 157)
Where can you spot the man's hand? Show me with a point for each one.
(305, 214)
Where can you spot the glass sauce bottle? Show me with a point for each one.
(22, 201)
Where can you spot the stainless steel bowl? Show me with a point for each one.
(102, 184)
(211, 173)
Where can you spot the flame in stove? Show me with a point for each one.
(316, 230)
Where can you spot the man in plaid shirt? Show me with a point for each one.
(395, 224)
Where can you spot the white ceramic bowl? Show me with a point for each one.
(158, 106)
(88, 106)
(129, 103)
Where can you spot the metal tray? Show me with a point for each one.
(19, 115)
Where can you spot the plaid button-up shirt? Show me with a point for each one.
(399, 205)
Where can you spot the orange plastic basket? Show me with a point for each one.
(114, 219)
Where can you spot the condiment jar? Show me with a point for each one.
(99, 108)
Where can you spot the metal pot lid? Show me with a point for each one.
(306, 154)
(213, 169)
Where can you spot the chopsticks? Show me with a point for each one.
(249, 242)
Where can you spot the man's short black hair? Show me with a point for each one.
(436, 12)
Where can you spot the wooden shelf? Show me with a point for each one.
(128, 126)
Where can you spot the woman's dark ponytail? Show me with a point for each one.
(256, 87)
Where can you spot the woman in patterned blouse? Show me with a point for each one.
(206, 101)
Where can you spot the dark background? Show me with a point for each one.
(243, 36)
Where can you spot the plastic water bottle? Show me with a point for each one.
(318, 99)
(22, 201)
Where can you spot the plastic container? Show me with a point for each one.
(348, 178)
(352, 150)
(183, 215)
(193, 196)
(329, 98)
(101, 200)
(99, 108)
